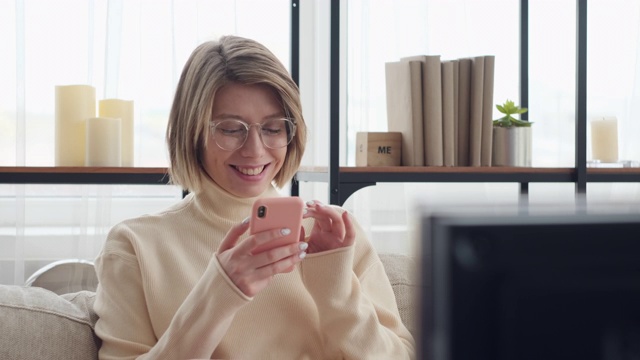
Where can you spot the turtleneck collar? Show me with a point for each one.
(215, 201)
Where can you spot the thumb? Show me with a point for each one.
(231, 238)
(350, 230)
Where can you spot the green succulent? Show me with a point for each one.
(509, 108)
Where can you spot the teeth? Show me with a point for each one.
(251, 171)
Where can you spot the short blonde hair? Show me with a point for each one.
(211, 66)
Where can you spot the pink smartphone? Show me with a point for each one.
(277, 213)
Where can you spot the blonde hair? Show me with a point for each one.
(212, 65)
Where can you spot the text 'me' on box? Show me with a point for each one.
(378, 148)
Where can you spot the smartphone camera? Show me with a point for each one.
(262, 211)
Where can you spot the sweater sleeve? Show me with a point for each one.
(125, 325)
(356, 305)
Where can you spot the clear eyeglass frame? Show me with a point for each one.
(269, 139)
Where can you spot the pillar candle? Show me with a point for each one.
(604, 139)
(74, 104)
(103, 142)
(123, 110)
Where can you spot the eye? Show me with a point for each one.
(274, 127)
(231, 128)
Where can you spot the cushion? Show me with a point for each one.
(66, 276)
(38, 324)
(402, 271)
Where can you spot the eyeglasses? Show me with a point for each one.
(231, 134)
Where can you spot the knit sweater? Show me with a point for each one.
(163, 294)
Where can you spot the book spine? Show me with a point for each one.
(464, 94)
(487, 110)
(417, 113)
(403, 81)
(456, 115)
(448, 114)
(432, 81)
(475, 111)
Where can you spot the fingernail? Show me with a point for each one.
(245, 221)
(285, 231)
(310, 203)
(302, 255)
(304, 211)
(303, 246)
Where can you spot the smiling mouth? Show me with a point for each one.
(251, 171)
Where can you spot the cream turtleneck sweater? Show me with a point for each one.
(163, 294)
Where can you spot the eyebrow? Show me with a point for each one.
(277, 115)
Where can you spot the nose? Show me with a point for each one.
(253, 146)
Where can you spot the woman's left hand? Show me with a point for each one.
(331, 230)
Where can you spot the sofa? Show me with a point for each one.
(36, 323)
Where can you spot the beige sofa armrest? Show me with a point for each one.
(402, 271)
(38, 324)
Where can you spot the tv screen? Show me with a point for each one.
(526, 286)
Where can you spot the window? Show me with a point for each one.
(133, 50)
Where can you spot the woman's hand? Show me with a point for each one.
(251, 273)
(331, 229)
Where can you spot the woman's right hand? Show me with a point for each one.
(251, 273)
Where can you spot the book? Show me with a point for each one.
(487, 110)
(403, 81)
(448, 114)
(464, 94)
(456, 117)
(475, 111)
(431, 107)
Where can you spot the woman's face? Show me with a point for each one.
(249, 170)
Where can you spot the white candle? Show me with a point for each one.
(74, 105)
(604, 139)
(103, 142)
(123, 110)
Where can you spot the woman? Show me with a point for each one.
(184, 283)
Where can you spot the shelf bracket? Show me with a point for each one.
(345, 190)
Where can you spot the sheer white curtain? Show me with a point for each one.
(134, 49)
(385, 30)
(126, 49)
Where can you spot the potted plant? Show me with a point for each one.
(511, 137)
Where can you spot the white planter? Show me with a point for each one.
(511, 146)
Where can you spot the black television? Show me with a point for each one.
(530, 286)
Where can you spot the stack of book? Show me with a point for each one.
(443, 108)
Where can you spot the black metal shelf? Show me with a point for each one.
(343, 181)
(353, 179)
(613, 175)
(83, 175)
(443, 174)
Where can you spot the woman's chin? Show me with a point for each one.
(249, 191)
(250, 187)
